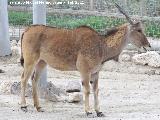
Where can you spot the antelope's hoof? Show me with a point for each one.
(100, 114)
(24, 108)
(88, 114)
(39, 109)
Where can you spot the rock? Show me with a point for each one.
(5, 87)
(13, 43)
(15, 47)
(16, 50)
(151, 58)
(73, 86)
(18, 61)
(139, 59)
(125, 57)
(154, 60)
(74, 97)
(1, 71)
(150, 72)
(53, 93)
(16, 89)
(19, 43)
(157, 72)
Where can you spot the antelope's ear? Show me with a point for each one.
(137, 24)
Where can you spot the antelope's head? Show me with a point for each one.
(135, 33)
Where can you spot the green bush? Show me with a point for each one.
(19, 18)
(152, 28)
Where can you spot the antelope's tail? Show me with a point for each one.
(22, 59)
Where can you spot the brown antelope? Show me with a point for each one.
(81, 49)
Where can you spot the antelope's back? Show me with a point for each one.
(60, 46)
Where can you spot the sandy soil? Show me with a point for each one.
(127, 92)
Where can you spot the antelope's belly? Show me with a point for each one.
(59, 63)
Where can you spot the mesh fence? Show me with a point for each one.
(99, 14)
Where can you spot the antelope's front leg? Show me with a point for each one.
(94, 83)
(86, 92)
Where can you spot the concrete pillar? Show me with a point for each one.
(91, 5)
(5, 48)
(39, 17)
(39, 12)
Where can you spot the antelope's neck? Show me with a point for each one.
(114, 44)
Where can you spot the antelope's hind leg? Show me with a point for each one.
(28, 68)
(35, 78)
(94, 83)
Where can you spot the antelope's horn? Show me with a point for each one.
(124, 13)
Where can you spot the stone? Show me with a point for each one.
(19, 43)
(150, 72)
(13, 43)
(50, 92)
(74, 97)
(16, 89)
(73, 86)
(15, 47)
(125, 57)
(151, 58)
(53, 93)
(16, 50)
(5, 87)
(1, 71)
(157, 72)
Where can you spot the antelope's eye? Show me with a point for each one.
(139, 31)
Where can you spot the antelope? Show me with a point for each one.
(81, 49)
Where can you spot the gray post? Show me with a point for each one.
(5, 48)
(91, 5)
(39, 17)
(39, 12)
(141, 8)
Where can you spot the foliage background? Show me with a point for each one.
(149, 9)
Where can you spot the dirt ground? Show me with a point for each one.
(127, 92)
